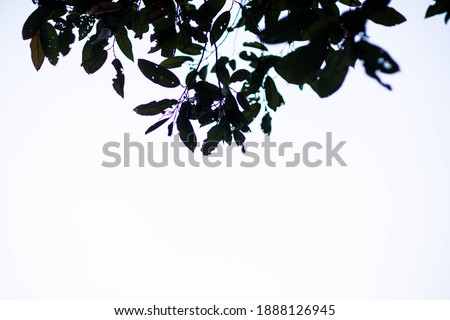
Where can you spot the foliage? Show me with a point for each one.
(440, 7)
(321, 40)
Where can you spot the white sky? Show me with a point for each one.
(378, 228)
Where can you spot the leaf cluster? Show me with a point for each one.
(322, 40)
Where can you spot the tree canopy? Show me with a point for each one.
(322, 39)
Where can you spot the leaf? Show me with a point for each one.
(175, 62)
(170, 129)
(184, 38)
(138, 26)
(85, 26)
(124, 43)
(256, 45)
(238, 137)
(388, 17)
(158, 74)
(375, 59)
(438, 8)
(333, 75)
(104, 7)
(65, 39)
(206, 88)
(376, 4)
(243, 102)
(185, 128)
(246, 56)
(155, 107)
(168, 42)
(266, 124)
(212, 7)
(214, 136)
(206, 117)
(330, 7)
(290, 27)
(220, 26)
(351, 3)
(228, 138)
(252, 112)
(240, 75)
(37, 54)
(35, 21)
(49, 42)
(197, 33)
(354, 21)
(233, 113)
(203, 73)
(94, 57)
(319, 27)
(119, 80)
(156, 125)
(191, 79)
(273, 97)
(301, 65)
(194, 49)
(221, 70)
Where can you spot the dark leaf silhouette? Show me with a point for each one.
(124, 43)
(37, 53)
(266, 124)
(156, 125)
(185, 128)
(333, 75)
(155, 107)
(273, 97)
(119, 80)
(215, 135)
(94, 57)
(35, 21)
(240, 75)
(220, 26)
(158, 74)
(175, 62)
(301, 65)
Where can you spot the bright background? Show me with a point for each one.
(378, 228)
